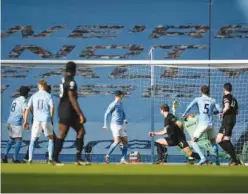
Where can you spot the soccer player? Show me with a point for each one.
(176, 137)
(14, 123)
(43, 111)
(190, 124)
(115, 109)
(230, 111)
(207, 107)
(70, 115)
(26, 158)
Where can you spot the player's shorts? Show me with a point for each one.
(73, 122)
(201, 129)
(227, 127)
(38, 127)
(118, 130)
(180, 141)
(14, 131)
(66, 111)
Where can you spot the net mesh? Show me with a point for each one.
(96, 88)
(183, 85)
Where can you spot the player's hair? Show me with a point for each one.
(118, 93)
(24, 90)
(70, 67)
(205, 89)
(43, 83)
(228, 87)
(49, 89)
(165, 107)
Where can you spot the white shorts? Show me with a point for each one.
(118, 130)
(201, 129)
(38, 127)
(14, 131)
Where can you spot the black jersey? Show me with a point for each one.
(233, 110)
(172, 128)
(67, 84)
(65, 108)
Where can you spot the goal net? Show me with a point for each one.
(182, 83)
(146, 84)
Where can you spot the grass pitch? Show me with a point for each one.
(116, 178)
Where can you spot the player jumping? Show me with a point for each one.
(207, 107)
(14, 124)
(116, 110)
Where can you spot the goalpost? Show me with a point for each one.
(153, 82)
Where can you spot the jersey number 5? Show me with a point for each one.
(206, 109)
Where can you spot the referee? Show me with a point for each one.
(70, 115)
(230, 111)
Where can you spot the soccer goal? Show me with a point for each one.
(146, 84)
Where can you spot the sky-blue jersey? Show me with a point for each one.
(16, 111)
(41, 102)
(206, 107)
(116, 110)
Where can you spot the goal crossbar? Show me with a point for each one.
(199, 64)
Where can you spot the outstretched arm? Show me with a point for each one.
(160, 133)
(175, 105)
(189, 107)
